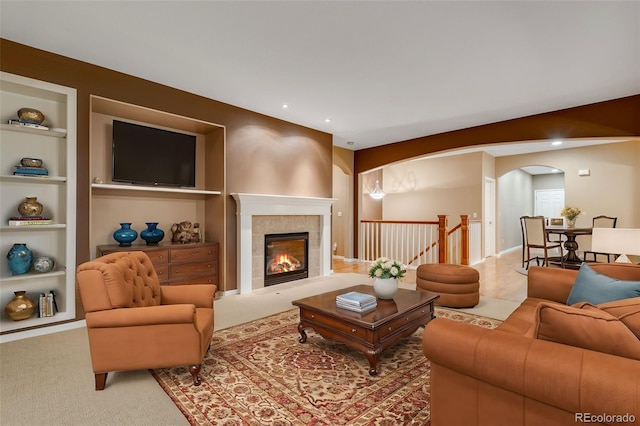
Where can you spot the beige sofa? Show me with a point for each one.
(520, 373)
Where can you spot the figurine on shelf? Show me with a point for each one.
(182, 232)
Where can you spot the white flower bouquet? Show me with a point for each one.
(386, 268)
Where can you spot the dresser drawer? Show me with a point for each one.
(192, 268)
(194, 253)
(163, 272)
(158, 257)
(202, 279)
(354, 331)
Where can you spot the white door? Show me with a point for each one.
(548, 202)
(489, 217)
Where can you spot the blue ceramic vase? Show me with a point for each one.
(20, 259)
(125, 235)
(152, 235)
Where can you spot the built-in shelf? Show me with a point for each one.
(110, 186)
(27, 228)
(33, 179)
(56, 133)
(35, 275)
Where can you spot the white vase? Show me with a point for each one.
(385, 288)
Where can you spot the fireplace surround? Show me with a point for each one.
(280, 214)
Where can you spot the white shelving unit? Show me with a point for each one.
(153, 189)
(57, 192)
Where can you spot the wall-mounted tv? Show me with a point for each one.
(149, 156)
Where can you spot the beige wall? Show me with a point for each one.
(342, 207)
(420, 190)
(613, 188)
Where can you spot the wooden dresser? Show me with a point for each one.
(177, 263)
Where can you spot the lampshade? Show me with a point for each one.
(623, 241)
(377, 193)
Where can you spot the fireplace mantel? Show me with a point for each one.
(249, 205)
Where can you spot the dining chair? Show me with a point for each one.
(602, 221)
(536, 238)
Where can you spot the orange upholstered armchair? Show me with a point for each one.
(134, 323)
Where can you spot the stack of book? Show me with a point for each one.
(29, 220)
(30, 171)
(47, 304)
(27, 123)
(357, 302)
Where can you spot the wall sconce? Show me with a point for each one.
(377, 193)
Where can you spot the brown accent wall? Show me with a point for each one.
(263, 155)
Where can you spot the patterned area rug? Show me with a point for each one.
(259, 374)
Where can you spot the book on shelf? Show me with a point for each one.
(30, 222)
(26, 123)
(30, 171)
(47, 306)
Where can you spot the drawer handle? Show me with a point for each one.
(161, 256)
(209, 252)
(407, 318)
(390, 329)
(353, 330)
(208, 266)
(313, 316)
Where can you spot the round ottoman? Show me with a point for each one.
(457, 285)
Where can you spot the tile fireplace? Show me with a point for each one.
(259, 215)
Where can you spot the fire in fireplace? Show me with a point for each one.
(285, 257)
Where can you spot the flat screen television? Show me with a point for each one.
(149, 156)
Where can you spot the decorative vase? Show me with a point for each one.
(125, 235)
(385, 288)
(571, 222)
(20, 259)
(20, 307)
(30, 207)
(152, 235)
(43, 264)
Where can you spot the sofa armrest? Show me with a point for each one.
(550, 283)
(201, 295)
(573, 379)
(148, 315)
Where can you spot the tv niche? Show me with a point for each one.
(145, 155)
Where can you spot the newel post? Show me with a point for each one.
(442, 238)
(464, 236)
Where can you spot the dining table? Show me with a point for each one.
(571, 258)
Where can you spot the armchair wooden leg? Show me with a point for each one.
(195, 372)
(101, 380)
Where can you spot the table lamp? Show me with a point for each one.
(622, 241)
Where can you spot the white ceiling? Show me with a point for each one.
(382, 71)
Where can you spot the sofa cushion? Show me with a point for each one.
(586, 327)
(627, 311)
(592, 287)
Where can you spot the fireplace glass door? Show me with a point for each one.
(285, 257)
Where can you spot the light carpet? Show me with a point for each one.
(258, 374)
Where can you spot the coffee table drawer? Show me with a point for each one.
(405, 320)
(334, 324)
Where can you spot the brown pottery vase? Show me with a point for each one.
(30, 207)
(20, 307)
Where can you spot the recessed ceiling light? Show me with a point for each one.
(327, 120)
(555, 143)
(554, 170)
(350, 143)
(285, 106)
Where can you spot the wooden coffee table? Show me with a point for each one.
(372, 332)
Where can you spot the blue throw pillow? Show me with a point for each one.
(596, 288)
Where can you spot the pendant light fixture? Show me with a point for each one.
(377, 193)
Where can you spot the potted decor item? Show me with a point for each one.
(152, 235)
(571, 213)
(43, 264)
(20, 307)
(385, 273)
(19, 258)
(30, 207)
(125, 235)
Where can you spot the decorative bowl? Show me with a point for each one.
(31, 114)
(43, 264)
(31, 162)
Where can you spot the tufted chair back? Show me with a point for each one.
(127, 280)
